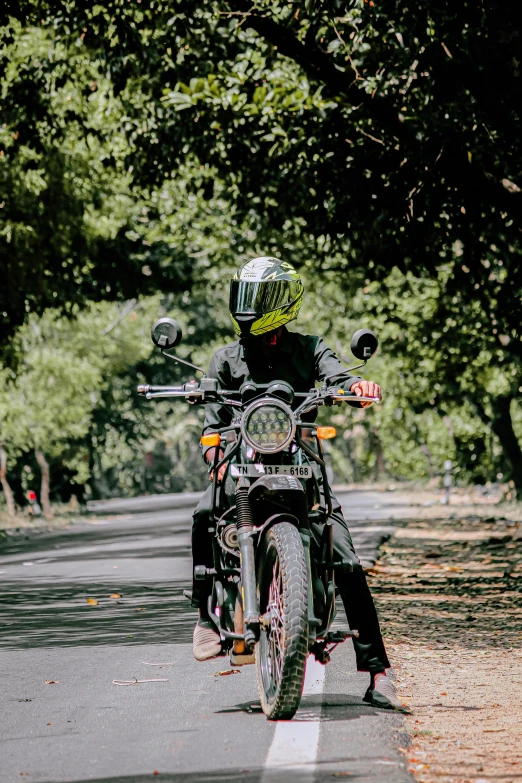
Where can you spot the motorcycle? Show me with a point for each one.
(273, 580)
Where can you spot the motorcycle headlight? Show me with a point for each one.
(268, 426)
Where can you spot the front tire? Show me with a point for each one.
(283, 599)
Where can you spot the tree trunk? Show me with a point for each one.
(380, 464)
(9, 499)
(502, 426)
(427, 453)
(375, 445)
(44, 490)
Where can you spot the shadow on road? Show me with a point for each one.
(80, 535)
(46, 615)
(285, 775)
(321, 707)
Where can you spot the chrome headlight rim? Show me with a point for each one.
(273, 402)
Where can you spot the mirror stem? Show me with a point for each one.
(182, 361)
(344, 372)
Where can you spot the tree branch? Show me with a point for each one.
(320, 67)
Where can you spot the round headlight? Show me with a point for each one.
(268, 426)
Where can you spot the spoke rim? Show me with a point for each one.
(274, 635)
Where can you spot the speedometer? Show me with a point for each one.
(268, 426)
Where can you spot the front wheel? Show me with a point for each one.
(283, 601)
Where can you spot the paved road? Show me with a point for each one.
(194, 727)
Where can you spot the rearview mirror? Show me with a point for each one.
(364, 344)
(166, 333)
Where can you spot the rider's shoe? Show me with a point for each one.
(205, 642)
(381, 693)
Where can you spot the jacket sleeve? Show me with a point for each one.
(327, 364)
(216, 416)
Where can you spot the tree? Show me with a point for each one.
(8, 494)
(359, 138)
(72, 227)
(47, 407)
(71, 404)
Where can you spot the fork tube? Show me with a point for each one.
(245, 527)
(216, 555)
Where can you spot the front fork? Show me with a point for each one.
(245, 529)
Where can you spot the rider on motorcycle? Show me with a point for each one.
(265, 294)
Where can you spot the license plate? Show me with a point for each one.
(300, 471)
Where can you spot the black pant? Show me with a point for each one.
(353, 588)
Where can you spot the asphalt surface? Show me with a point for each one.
(195, 726)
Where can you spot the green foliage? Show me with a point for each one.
(420, 424)
(66, 368)
(348, 117)
(72, 220)
(154, 146)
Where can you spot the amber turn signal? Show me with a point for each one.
(212, 439)
(325, 433)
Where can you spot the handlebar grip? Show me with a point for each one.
(145, 388)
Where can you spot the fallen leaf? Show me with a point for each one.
(145, 663)
(490, 730)
(135, 681)
(443, 693)
(141, 609)
(49, 724)
(115, 595)
(52, 682)
(92, 601)
(227, 672)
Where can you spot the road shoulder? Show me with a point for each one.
(449, 597)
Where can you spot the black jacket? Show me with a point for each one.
(298, 359)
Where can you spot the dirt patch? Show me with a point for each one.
(25, 523)
(449, 594)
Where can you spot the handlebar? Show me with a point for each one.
(355, 398)
(193, 391)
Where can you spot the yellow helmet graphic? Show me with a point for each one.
(264, 294)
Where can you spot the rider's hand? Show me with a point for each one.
(366, 389)
(209, 457)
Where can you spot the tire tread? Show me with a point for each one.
(289, 546)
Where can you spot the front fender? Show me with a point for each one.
(259, 532)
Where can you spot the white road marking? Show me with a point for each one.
(295, 742)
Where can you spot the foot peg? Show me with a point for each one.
(241, 659)
(336, 637)
(323, 648)
(342, 566)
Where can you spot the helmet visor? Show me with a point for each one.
(262, 297)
